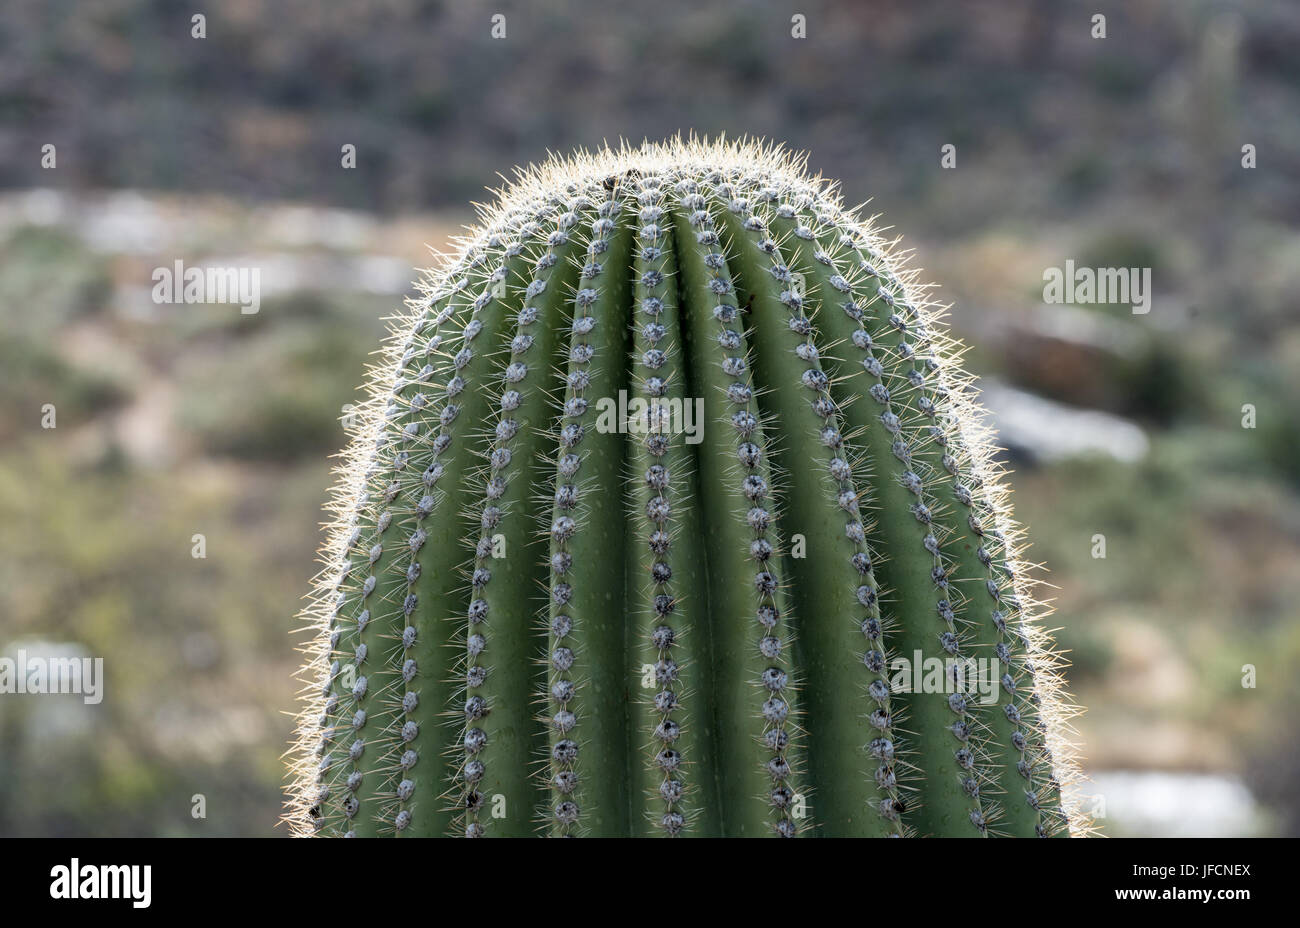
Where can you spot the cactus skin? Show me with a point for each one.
(506, 572)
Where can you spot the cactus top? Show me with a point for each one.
(672, 513)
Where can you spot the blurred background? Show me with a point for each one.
(182, 420)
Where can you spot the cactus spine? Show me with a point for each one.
(537, 618)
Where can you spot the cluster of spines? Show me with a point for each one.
(344, 797)
(389, 684)
(501, 477)
(415, 705)
(1023, 647)
(962, 482)
(886, 397)
(930, 442)
(893, 384)
(377, 548)
(576, 418)
(654, 361)
(921, 440)
(418, 671)
(366, 707)
(751, 470)
(409, 401)
(914, 431)
(992, 535)
(751, 204)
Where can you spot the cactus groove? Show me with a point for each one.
(666, 482)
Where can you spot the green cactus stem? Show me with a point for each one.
(670, 491)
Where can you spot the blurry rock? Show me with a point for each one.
(1044, 430)
(1171, 805)
(1060, 350)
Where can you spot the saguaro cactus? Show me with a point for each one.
(672, 515)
